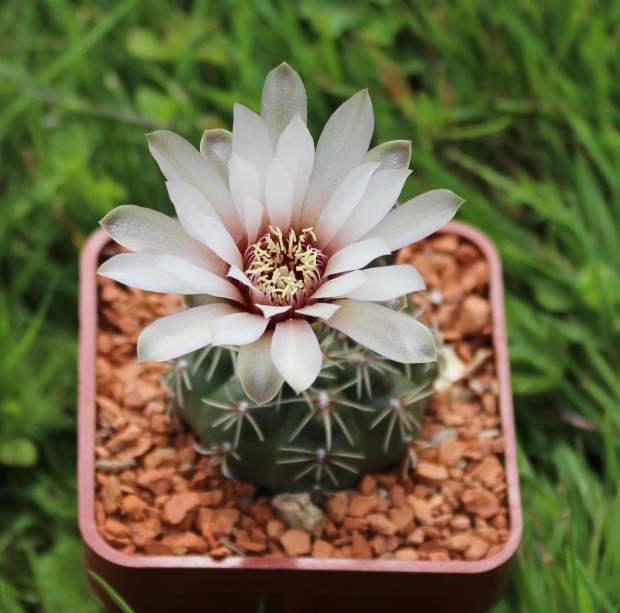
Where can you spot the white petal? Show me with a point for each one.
(139, 270)
(253, 214)
(216, 147)
(387, 282)
(381, 194)
(201, 279)
(296, 353)
(417, 218)
(394, 335)
(296, 151)
(188, 201)
(244, 182)
(271, 311)
(356, 256)
(251, 140)
(212, 232)
(239, 275)
(180, 334)
(342, 146)
(146, 231)
(178, 160)
(342, 203)
(392, 155)
(340, 286)
(279, 195)
(257, 373)
(284, 96)
(238, 329)
(322, 310)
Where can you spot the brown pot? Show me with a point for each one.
(198, 583)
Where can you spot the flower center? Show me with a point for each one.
(287, 269)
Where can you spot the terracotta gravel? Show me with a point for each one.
(157, 496)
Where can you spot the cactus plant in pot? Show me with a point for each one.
(295, 360)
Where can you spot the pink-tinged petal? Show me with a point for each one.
(238, 329)
(212, 232)
(342, 203)
(296, 151)
(216, 147)
(381, 194)
(251, 140)
(340, 286)
(296, 353)
(244, 183)
(387, 282)
(272, 311)
(178, 160)
(284, 96)
(139, 270)
(253, 214)
(394, 335)
(417, 218)
(392, 155)
(279, 195)
(342, 146)
(257, 373)
(188, 201)
(322, 310)
(356, 256)
(239, 275)
(179, 334)
(203, 280)
(146, 231)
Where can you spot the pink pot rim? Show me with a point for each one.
(89, 262)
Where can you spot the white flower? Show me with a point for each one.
(273, 235)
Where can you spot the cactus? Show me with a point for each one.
(358, 417)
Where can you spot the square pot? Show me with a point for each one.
(199, 583)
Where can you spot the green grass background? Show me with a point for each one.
(513, 104)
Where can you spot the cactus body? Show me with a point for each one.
(357, 418)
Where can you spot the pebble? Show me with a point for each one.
(296, 543)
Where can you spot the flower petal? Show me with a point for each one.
(296, 353)
(238, 329)
(253, 214)
(279, 194)
(284, 96)
(257, 373)
(216, 147)
(342, 146)
(417, 218)
(203, 280)
(212, 232)
(139, 270)
(239, 275)
(322, 310)
(180, 334)
(340, 286)
(244, 182)
(356, 256)
(381, 194)
(251, 140)
(146, 231)
(342, 203)
(395, 154)
(396, 336)
(178, 160)
(271, 311)
(387, 282)
(296, 151)
(188, 201)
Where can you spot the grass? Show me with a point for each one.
(513, 104)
